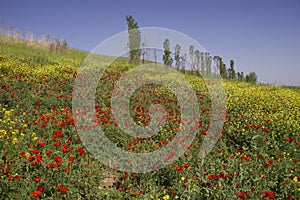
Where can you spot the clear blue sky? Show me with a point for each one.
(259, 35)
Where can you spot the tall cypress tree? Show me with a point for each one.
(208, 61)
(231, 70)
(167, 53)
(134, 42)
(177, 56)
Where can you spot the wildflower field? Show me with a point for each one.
(42, 156)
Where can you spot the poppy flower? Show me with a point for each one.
(241, 195)
(37, 179)
(259, 155)
(179, 168)
(35, 194)
(62, 188)
(185, 166)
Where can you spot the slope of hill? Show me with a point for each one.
(42, 155)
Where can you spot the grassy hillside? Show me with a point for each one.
(42, 155)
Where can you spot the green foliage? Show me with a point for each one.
(231, 70)
(177, 56)
(240, 76)
(221, 66)
(168, 60)
(251, 77)
(192, 53)
(257, 151)
(134, 42)
(208, 62)
(197, 61)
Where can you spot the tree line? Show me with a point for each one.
(45, 41)
(200, 62)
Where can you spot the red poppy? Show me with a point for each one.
(245, 158)
(31, 158)
(39, 189)
(213, 176)
(57, 159)
(227, 176)
(242, 195)
(35, 194)
(37, 179)
(57, 143)
(266, 165)
(185, 166)
(80, 151)
(18, 177)
(39, 158)
(179, 168)
(271, 195)
(264, 194)
(62, 188)
(259, 155)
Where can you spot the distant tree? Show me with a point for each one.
(251, 77)
(167, 54)
(55, 45)
(202, 62)
(224, 71)
(155, 56)
(191, 51)
(183, 62)
(222, 68)
(197, 61)
(239, 76)
(231, 71)
(143, 52)
(208, 61)
(177, 56)
(64, 45)
(216, 64)
(134, 42)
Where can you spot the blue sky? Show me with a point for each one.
(259, 35)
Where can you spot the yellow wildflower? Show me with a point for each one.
(14, 140)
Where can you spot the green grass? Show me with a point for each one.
(256, 155)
